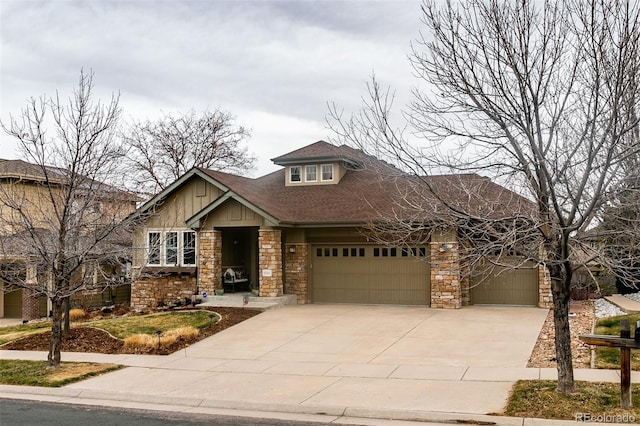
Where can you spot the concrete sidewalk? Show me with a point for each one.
(628, 305)
(343, 396)
(340, 362)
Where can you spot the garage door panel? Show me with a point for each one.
(340, 277)
(506, 287)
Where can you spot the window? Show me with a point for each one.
(171, 248)
(294, 174)
(189, 248)
(327, 172)
(311, 173)
(153, 244)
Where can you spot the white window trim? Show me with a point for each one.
(291, 174)
(322, 174)
(306, 175)
(163, 247)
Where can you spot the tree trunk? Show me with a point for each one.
(66, 308)
(561, 292)
(55, 343)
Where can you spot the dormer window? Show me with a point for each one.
(311, 173)
(327, 172)
(294, 174)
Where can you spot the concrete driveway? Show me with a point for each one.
(382, 361)
(379, 336)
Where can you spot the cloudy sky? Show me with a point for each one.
(273, 64)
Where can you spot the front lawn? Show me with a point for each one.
(8, 334)
(124, 327)
(610, 357)
(539, 399)
(129, 334)
(38, 373)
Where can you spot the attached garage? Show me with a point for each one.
(13, 304)
(369, 275)
(506, 287)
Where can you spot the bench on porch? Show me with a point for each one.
(234, 279)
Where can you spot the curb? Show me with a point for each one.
(318, 413)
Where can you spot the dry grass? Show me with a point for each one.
(539, 399)
(143, 341)
(77, 315)
(38, 373)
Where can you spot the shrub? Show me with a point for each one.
(77, 314)
(142, 341)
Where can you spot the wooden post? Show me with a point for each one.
(625, 367)
(625, 343)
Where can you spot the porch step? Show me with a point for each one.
(628, 305)
(237, 300)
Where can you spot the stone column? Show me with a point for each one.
(296, 270)
(209, 261)
(545, 297)
(270, 262)
(446, 291)
(30, 300)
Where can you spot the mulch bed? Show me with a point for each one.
(89, 339)
(544, 351)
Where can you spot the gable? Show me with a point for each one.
(232, 213)
(182, 203)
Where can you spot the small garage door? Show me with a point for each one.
(506, 287)
(366, 274)
(13, 304)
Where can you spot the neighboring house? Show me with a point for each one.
(302, 230)
(22, 187)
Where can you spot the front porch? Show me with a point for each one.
(248, 300)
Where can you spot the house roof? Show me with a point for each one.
(320, 152)
(23, 170)
(372, 191)
(19, 169)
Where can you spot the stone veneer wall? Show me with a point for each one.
(209, 261)
(270, 259)
(446, 289)
(296, 271)
(147, 293)
(545, 297)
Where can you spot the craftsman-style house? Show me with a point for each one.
(302, 230)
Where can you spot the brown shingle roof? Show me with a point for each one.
(366, 194)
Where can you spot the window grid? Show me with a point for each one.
(295, 174)
(327, 172)
(171, 248)
(311, 173)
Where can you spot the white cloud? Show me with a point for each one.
(273, 64)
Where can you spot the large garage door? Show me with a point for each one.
(366, 274)
(506, 287)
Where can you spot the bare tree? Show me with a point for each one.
(60, 225)
(162, 151)
(540, 96)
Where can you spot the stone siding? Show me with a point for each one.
(209, 261)
(446, 288)
(270, 262)
(151, 292)
(545, 297)
(296, 271)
